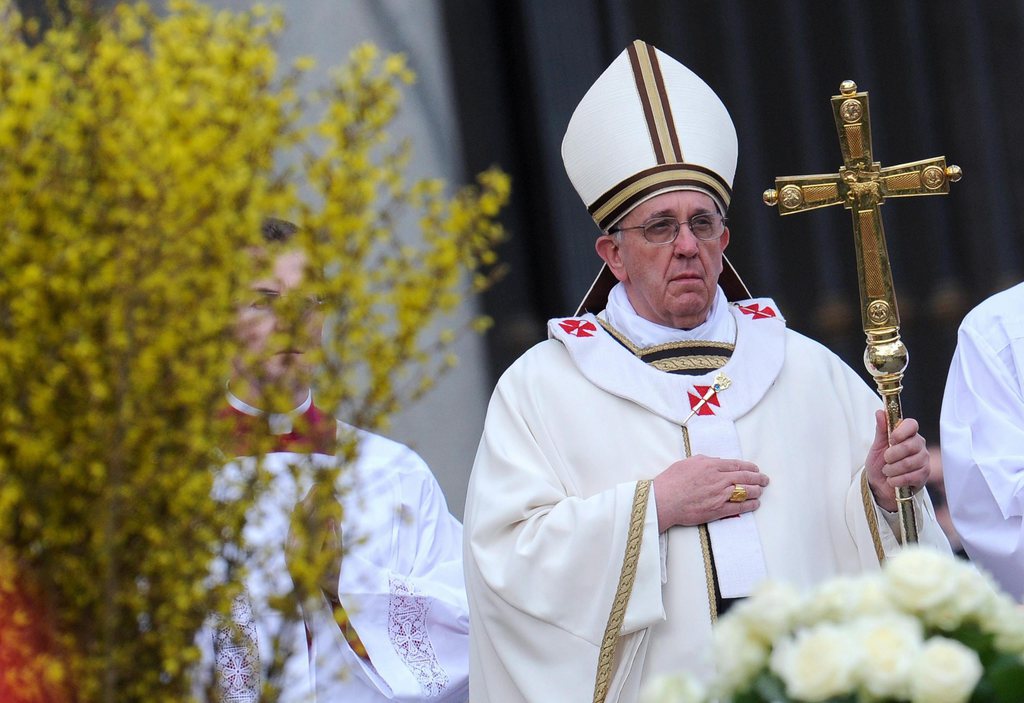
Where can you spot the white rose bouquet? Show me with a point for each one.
(928, 628)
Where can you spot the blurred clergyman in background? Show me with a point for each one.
(389, 620)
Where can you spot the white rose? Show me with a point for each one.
(843, 598)
(769, 613)
(945, 672)
(889, 646)
(673, 689)
(818, 663)
(1000, 615)
(873, 597)
(832, 601)
(919, 579)
(974, 599)
(739, 656)
(1006, 622)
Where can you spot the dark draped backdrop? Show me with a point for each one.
(944, 78)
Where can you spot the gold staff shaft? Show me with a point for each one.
(861, 186)
(885, 356)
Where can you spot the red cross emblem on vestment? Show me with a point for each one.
(578, 328)
(757, 312)
(703, 408)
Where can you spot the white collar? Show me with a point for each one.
(619, 313)
(279, 423)
(752, 368)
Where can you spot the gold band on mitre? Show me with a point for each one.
(626, 195)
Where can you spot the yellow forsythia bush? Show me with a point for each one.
(139, 153)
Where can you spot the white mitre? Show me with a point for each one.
(647, 126)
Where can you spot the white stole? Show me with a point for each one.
(752, 369)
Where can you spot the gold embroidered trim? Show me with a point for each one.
(705, 550)
(627, 576)
(682, 344)
(869, 513)
(687, 363)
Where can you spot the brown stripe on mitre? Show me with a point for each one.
(670, 123)
(624, 196)
(650, 87)
(645, 98)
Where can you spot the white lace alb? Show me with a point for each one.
(407, 628)
(237, 654)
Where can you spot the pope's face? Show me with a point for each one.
(670, 284)
(277, 326)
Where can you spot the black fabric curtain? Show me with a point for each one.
(944, 78)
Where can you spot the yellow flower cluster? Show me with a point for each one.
(392, 254)
(139, 153)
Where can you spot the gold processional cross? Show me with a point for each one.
(861, 186)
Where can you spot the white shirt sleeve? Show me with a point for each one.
(982, 434)
(401, 585)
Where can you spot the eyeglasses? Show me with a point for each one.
(707, 226)
(274, 301)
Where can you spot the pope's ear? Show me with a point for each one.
(608, 249)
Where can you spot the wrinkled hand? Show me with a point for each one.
(904, 462)
(314, 542)
(696, 490)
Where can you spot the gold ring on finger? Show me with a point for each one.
(739, 494)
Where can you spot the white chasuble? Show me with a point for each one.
(401, 585)
(573, 427)
(710, 423)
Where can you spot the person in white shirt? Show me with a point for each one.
(982, 437)
(665, 450)
(390, 622)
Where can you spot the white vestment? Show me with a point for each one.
(982, 434)
(401, 584)
(575, 425)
